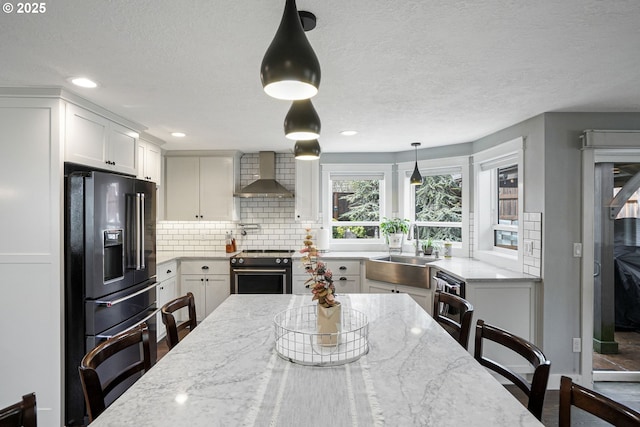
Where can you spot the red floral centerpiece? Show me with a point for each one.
(323, 289)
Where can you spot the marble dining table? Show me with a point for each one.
(227, 373)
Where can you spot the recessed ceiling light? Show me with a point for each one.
(178, 134)
(84, 82)
(348, 132)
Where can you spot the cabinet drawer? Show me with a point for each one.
(343, 267)
(166, 270)
(212, 267)
(346, 284)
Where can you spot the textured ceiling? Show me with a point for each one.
(439, 72)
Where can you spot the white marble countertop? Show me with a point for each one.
(227, 373)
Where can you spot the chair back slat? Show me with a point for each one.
(21, 414)
(175, 330)
(535, 390)
(443, 303)
(95, 388)
(594, 403)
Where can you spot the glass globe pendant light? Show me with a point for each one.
(307, 150)
(416, 178)
(302, 122)
(290, 68)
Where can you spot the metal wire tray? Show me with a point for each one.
(297, 339)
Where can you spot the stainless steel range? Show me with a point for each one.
(261, 271)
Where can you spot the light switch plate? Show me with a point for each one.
(528, 247)
(577, 250)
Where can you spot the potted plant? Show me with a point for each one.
(394, 229)
(427, 246)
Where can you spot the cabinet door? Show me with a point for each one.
(373, 287)
(424, 297)
(182, 189)
(85, 137)
(149, 161)
(217, 291)
(167, 291)
(216, 188)
(121, 145)
(307, 190)
(347, 284)
(195, 283)
(298, 285)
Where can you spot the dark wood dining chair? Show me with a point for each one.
(594, 403)
(535, 390)
(177, 331)
(459, 324)
(21, 414)
(95, 388)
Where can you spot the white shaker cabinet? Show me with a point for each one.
(346, 274)
(167, 290)
(208, 281)
(307, 190)
(424, 297)
(149, 162)
(93, 140)
(201, 188)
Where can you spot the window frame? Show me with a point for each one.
(354, 170)
(486, 164)
(458, 164)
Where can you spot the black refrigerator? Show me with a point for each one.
(110, 271)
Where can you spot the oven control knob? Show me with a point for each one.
(241, 261)
(278, 260)
(233, 260)
(286, 260)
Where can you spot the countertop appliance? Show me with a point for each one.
(261, 271)
(110, 271)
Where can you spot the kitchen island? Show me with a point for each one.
(227, 373)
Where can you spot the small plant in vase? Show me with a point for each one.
(394, 229)
(321, 284)
(427, 246)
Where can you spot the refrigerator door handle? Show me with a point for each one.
(138, 224)
(142, 231)
(111, 303)
(106, 337)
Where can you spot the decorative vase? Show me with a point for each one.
(395, 242)
(329, 325)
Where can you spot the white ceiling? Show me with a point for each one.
(439, 72)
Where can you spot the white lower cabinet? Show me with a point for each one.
(424, 297)
(208, 280)
(346, 275)
(167, 289)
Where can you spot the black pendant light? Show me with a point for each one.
(290, 68)
(307, 150)
(416, 178)
(302, 122)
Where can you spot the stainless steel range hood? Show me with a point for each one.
(266, 185)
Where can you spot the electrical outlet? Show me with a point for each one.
(577, 250)
(577, 345)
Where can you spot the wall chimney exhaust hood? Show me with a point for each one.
(266, 185)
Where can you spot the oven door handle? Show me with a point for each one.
(258, 270)
(111, 303)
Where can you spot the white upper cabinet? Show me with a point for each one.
(93, 140)
(307, 190)
(201, 188)
(149, 161)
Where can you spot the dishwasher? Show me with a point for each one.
(447, 283)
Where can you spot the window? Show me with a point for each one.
(355, 203)
(498, 203)
(440, 205)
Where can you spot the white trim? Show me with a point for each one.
(507, 153)
(354, 170)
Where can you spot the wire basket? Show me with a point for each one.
(298, 341)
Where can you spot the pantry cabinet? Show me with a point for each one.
(208, 281)
(94, 140)
(149, 162)
(201, 188)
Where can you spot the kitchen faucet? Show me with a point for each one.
(416, 234)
